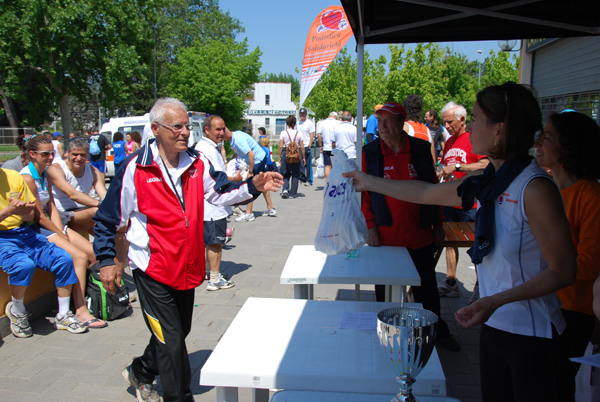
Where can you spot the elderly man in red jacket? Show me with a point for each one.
(160, 194)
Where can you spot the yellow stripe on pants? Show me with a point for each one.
(155, 326)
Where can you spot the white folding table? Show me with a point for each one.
(318, 396)
(298, 345)
(390, 266)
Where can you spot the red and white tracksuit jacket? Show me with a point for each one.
(166, 239)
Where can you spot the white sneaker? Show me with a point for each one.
(246, 218)
(222, 283)
(70, 323)
(284, 194)
(271, 212)
(237, 211)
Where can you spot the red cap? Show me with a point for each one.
(392, 108)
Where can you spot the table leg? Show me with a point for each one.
(301, 292)
(398, 294)
(260, 395)
(227, 394)
(357, 292)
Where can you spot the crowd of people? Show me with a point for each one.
(165, 216)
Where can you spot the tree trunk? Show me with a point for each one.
(65, 116)
(9, 109)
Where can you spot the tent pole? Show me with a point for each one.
(360, 65)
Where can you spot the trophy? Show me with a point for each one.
(407, 336)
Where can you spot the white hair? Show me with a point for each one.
(157, 113)
(459, 110)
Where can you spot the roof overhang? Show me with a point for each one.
(412, 21)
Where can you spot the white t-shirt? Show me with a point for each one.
(212, 152)
(306, 128)
(345, 138)
(287, 136)
(57, 155)
(326, 130)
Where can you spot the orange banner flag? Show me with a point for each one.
(327, 36)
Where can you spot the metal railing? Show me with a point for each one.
(8, 135)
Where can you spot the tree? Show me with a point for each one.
(183, 23)
(216, 77)
(336, 89)
(72, 47)
(499, 68)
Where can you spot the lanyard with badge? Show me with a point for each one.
(181, 198)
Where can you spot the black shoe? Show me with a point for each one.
(448, 342)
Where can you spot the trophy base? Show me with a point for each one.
(405, 394)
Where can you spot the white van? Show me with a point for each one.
(127, 125)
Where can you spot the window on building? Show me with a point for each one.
(583, 102)
(267, 122)
(267, 99)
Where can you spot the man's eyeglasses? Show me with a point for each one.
(45, 153)
(177, 127)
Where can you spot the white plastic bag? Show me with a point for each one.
(343, 227)
(320, 167)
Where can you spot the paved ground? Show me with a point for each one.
(57, 366)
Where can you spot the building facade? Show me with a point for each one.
(565, 73)
(269, 107)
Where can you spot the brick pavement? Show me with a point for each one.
(57, 366)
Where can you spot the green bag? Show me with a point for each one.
(102, 304)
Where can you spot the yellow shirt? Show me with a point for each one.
(11, 184)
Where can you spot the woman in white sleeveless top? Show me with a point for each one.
(523, 249)
(41, 155)
(57, 139)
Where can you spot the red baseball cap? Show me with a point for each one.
(393, 108)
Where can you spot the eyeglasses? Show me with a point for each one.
(45, 153)
(177, 127)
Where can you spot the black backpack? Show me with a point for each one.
(102, 304)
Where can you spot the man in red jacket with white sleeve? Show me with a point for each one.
(160, 194)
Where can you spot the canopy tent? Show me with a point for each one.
(412, 21)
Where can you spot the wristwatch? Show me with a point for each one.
(457, 167)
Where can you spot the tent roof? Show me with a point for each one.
(411, 21)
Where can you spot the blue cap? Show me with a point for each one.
(56, 134)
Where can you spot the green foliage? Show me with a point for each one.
(52, 49)
(428, 70)
(336, 90)
(500, 67)
(216, 77)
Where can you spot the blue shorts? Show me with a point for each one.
(100, 165)
(22, 250)
(327, 158)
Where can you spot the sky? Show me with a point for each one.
(280, 28)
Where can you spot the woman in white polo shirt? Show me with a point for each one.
(523, 249)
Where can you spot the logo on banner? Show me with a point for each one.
(332, 20)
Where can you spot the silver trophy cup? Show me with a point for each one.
(407, 336)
